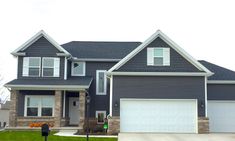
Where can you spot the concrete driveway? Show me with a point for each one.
(175, 137)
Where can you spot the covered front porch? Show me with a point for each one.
(60, 106)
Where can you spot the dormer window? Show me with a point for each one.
(158, 56)
(78, 68)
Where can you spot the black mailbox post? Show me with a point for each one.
(45, 131)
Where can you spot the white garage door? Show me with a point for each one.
(221, 116)
(165, 116)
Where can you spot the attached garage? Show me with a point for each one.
(221, 114)
(158, 115)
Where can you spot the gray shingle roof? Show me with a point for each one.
(220, 73)
(100, 50)
(83, 81)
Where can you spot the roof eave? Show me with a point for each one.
(47, 87)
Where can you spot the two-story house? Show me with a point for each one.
(153, 86)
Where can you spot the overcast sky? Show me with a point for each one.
(204, 28)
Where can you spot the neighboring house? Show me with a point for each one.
(4, 114)
(154, 86)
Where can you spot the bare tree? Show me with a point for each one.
(4, 95)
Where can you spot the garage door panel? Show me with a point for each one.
(222, 116)
(158, 116)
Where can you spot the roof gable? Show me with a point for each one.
(33, 39)
(166, 39)
(139, 62)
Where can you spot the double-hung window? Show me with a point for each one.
(39, 105)
(158, 56)
(78, 68)
(31, 66)
(101, 82)
(50, 67)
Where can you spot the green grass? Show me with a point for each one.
(36, 136)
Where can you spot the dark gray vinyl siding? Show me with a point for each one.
(98, 102)
(41, 48)
(21, 98)
(158, 88)
(139, 62)
(221, 91)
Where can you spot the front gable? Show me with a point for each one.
(42, 47)
(178, 60)
(40, 44)
(139, 63)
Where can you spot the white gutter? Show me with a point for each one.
(158, 73)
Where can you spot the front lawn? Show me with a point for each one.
(36, 136)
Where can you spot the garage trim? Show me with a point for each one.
(142, 99)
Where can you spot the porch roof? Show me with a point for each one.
(78, 83)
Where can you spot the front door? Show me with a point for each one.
(74, 110)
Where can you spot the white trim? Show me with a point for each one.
(221, 82)
(19, 54)
(97, 82)
(158, 73)
(111, 97)
(37, 36)
(96, 60)
(142, 99)
(39, 106)
(222, 101)
(48, 87)
(65, 68)
(206, 96)
(64, 96)
(84, 69)
(62, 54)
(96, 115)
(167, 40)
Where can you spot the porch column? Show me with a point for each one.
(82, 105)
(58, 108)
(13, 108)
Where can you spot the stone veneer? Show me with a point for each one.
(114, 125)
(13, 108)
(82, 108)
(58, 108)
(203, 125)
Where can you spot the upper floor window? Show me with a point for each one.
(101, 83)
(158, 56)
(31, 66)
(50, 67)
(78, 68)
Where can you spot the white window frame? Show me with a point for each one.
(96, 116)
(33, 67)
(165, 56)
(156, 56)
(43, 59)
(39, 106)
(84, 69)
(97, 82)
